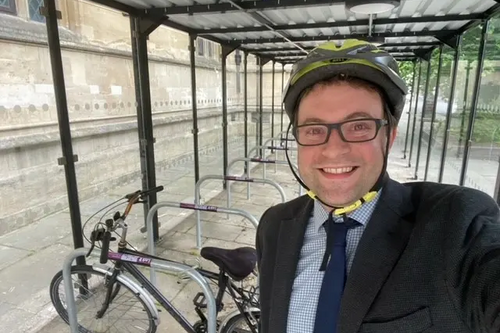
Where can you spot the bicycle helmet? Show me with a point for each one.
(354, 58)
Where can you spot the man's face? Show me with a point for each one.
(341, 172)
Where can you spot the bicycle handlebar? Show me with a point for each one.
(105, 247)
(104, 235)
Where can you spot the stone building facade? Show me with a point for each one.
(100, 91)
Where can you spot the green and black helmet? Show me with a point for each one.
(353, 58)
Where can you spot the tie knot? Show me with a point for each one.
(336, 236)
(337, 231)
(346, 223)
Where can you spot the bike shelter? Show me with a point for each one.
(412, 39)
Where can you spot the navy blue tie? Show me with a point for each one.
(332, 288)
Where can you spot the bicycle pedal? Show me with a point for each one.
(200, 300)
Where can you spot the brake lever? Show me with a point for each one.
(130, 195)
(93, 238)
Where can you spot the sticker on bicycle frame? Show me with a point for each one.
(261, 160)
(240, 179)
(129, 258)
(198, 207)
(277, 148)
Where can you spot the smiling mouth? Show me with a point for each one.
(339, 171)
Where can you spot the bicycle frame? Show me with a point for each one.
(127, 262)
(126, 259)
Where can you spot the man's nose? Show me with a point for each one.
(335, 145)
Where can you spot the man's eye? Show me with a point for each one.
(315, 131)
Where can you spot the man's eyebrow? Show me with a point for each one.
(359, 114)
(314, 120)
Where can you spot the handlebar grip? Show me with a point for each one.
(156, 189)
(105, 247)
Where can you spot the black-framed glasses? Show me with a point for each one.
(356, 130)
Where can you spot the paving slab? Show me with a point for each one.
(11, 255)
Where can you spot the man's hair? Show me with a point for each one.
(355, 83)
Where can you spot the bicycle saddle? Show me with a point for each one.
(237, 263)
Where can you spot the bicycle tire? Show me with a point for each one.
(231, 326)
(57, 282)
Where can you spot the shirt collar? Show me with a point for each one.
(361, 215)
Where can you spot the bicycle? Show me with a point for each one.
(234, 266)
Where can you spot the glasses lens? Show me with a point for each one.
(312, 134)
(359, 130)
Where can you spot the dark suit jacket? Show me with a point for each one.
(428, 261)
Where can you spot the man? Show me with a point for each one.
(361, 252)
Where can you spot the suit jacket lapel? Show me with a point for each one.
(380, 247)
(289, 245)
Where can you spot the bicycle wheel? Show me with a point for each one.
(126, 311)
(238, 324)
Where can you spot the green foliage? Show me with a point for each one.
(486, 128)
(406, 72)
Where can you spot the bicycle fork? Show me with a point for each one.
(110, 292)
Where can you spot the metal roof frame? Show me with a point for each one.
(404, 27)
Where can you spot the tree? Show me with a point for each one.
(468, 58)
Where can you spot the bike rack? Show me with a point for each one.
(278, 137)
(275, 152)
(154, 264)
(154, 209)
(281, 139)
(247, 161)
(228, 191)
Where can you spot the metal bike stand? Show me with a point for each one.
(269, 142)
(247, 160)
(154, 209)
(68, 287)
(275, 152)
(280, 148)
(154, 264)
(194, 275)
(278, 137)
(228, 188)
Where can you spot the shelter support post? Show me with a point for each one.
(282, 87)
(194, 103)
(450, 108)
(226, 50)
(261, 116)
(409, 108)
(272, 104)
(262, 62)
(496, 194)
(140, 29)
(428, 76)
(68, 159)
(464, 108)
(415, 113)
(433, 117)
(245, 101)
(475, 99)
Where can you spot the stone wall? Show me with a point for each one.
(101, 104)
